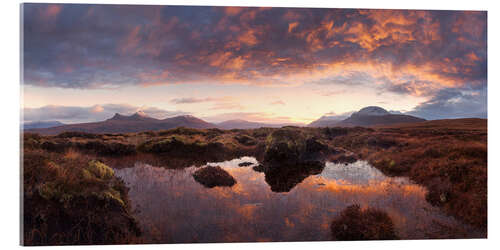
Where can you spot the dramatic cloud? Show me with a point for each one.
(454, 103)
(70, 114)
(104, 46)
(436, 56)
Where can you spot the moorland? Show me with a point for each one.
(72, 195)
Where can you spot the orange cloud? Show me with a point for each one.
(131, 41)
(472, 57)
(232, 11)
(407, 51)
(248, 38)
(217, 60)
(52, 11)
(292, 26)
(235, 63)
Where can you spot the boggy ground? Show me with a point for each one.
(449, 157)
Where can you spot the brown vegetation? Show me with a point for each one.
(448, 157)
(353, 223)
(214, 177)
(74, 200)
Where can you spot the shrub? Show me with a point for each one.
(107, 149)
(245, 140)
(55, 146)
(356, 224)
(100, 170)
(181, 131)
(74, 201)
(336, 131)
(71, 134)
(31, 141)
(262, 132)
(34, 136)
(285, 146)
(382, 142)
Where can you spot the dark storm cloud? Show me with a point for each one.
(107, 46)
(454, 103)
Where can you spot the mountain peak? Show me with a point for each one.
(372, 111)
(141, 113)
(117, 116)
(137, 116)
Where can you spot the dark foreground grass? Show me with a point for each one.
(71, 199)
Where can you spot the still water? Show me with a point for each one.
(173, 208)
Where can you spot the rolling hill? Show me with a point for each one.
(243, 124)
(324, 122)
(41, 124)
(126, 124)
(368, 116)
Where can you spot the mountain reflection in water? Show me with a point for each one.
(173, 208)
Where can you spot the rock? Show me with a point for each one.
(245, 164)
(214, 176)
(344, 158)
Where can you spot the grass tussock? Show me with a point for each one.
(71, 200)
(354, 223)
(211, 176)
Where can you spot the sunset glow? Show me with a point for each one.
(278, 65)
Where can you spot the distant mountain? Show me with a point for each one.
(324, 121)
(373, 115)
(127, 124)
(138, 116)
(368, 116)
(187, 121)
(41, 124)
(371, 111)
(243, 124)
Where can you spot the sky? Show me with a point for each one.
(84, 62)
